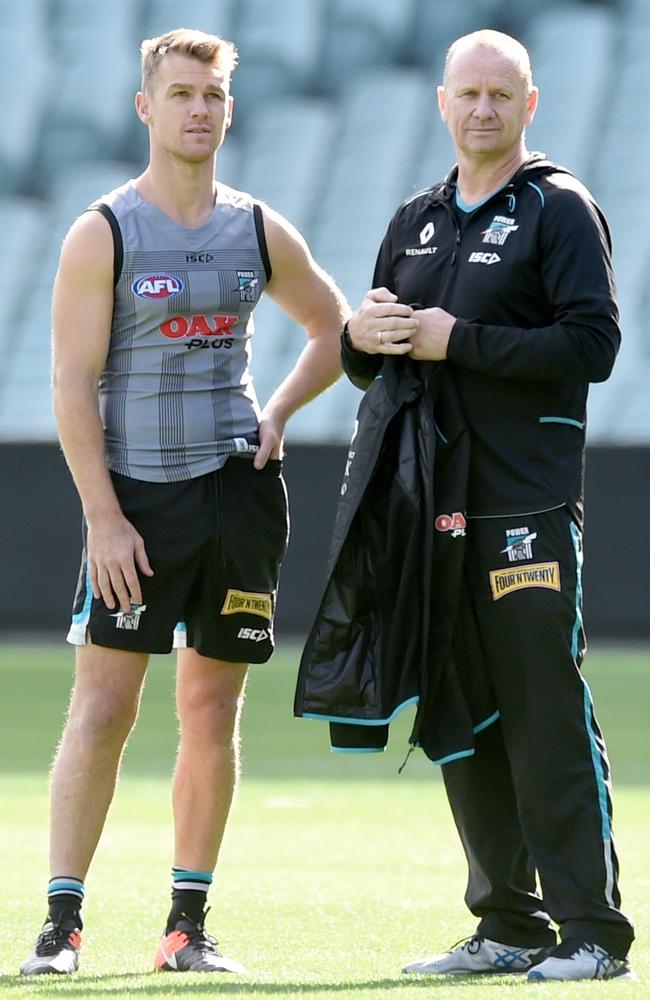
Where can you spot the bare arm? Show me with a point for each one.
(82, 308)
(309, 296)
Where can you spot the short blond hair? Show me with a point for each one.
(186, 42)
(499, 42)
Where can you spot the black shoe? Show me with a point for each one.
(56, 949)
(189, 948)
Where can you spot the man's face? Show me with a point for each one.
(189, 108)
(485, 103)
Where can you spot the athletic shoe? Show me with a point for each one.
(477, 955)
(575, 959)
(188, 948)
(56, 949)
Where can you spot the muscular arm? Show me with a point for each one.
(310, 297)
(82, 307)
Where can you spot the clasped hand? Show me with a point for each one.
(382, 325)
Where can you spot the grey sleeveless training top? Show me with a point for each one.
(176, 396)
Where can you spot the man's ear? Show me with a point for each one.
(442, 102)
(231, 108)
(143, 107)
(531, 105)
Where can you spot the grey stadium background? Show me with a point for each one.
(335, 123)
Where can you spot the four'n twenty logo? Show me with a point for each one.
(158, 286)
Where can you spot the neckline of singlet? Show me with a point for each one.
(162, 216)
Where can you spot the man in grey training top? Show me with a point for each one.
(179, 475)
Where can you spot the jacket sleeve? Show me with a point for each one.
(582, 343)
(361, 368)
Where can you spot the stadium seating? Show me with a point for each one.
(209, 15)
(436, 25)
(362, 35)
(26, 72)
(22, 224)
(97, 76)
(572, 80)
(336, 121)
(25, 408)
(279, 48)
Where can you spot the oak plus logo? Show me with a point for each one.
(426, 235)
(454, 523)
(199, 330)
(157, 286)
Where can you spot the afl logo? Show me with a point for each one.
(158, 286)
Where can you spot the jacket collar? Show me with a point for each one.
(537, 165)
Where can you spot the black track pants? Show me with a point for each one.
(535, 796)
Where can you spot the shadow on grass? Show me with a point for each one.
(168, 985)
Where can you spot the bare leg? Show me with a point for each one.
(209, 696)
(103, 710)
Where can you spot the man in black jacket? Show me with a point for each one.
(503, 271)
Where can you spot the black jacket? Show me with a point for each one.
(529, 275)
(383, 635)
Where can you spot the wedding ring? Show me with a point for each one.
(380, 337)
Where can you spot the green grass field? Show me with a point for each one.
(335, 870)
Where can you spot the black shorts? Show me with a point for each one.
(215, 544)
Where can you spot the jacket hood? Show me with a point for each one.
(537, 165)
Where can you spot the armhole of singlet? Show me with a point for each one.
(261, 238)
(118, 246)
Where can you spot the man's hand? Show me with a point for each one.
(271, 440)
(382, 325)
(431, 339)
(115, 551)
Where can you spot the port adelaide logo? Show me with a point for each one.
(519, 544)
(246, 285)
(499, 230)
(157, 286)
(130, 620)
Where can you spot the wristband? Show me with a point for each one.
(346, 340)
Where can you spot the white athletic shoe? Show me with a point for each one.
(56, 950)
(573, 959)
(477, 955)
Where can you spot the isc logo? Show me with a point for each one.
(158, 286)
(483, 258)
(254, 634)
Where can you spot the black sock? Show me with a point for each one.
(189, 896)
(64, 898)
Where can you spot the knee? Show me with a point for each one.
(102, 717)
(211, 717)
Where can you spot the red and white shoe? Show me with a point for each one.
(189, 948)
